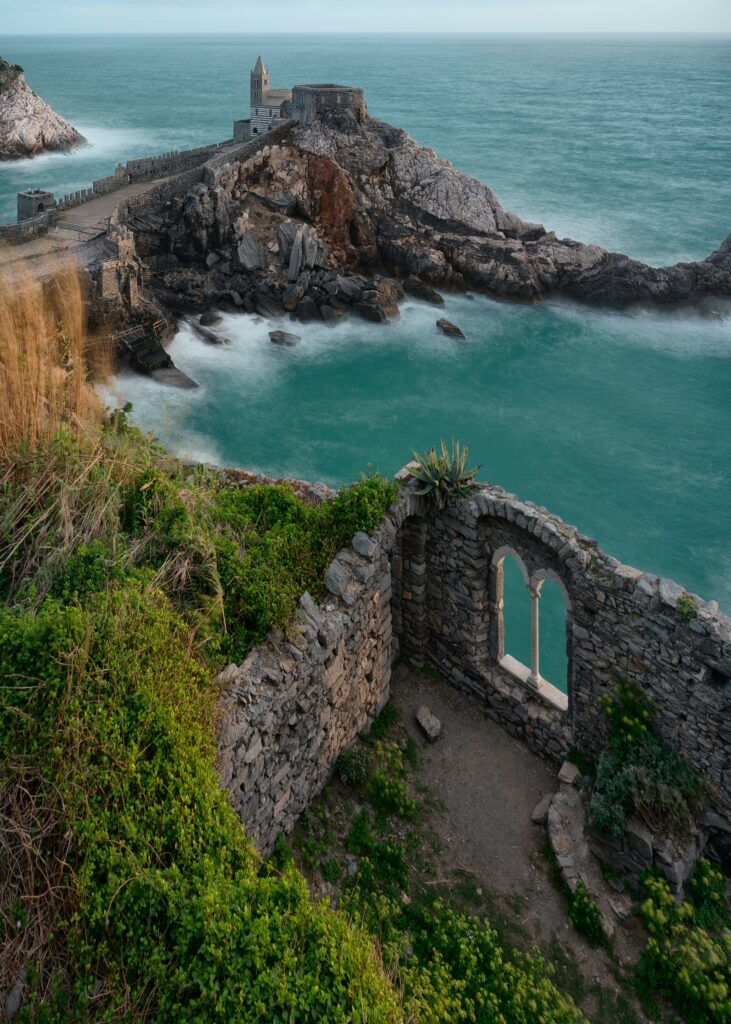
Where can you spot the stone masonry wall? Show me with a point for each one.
(428, 585)
(295, 704)
(620, 622)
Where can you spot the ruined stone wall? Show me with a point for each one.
(295, 704)
(620, 622)
(292, 707)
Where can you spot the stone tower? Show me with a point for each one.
(259, 84)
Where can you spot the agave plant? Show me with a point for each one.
(444, 474)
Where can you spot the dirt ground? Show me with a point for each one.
(486, 785)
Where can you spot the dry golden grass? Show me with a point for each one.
(44, 367)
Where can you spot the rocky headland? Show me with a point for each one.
(28, 126)
(341, 216)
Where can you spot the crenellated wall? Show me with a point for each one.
(289, 710)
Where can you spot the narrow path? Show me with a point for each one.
(487, 785)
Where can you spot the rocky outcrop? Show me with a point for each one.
(28, 126)
(327, 219)
(449, 229)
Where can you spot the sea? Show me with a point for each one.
(619, 422)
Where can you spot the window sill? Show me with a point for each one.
(545, 690)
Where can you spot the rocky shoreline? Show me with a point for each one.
(28, 126)
(329, 220)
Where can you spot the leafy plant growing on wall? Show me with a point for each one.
(445, 474)
(640, 774)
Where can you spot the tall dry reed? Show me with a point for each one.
(44, 374)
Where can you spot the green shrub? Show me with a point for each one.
(387, 788)
(331, 870)
(460, 972)
(173, 920)
(683, 961)
(383, 723)
(445, 475)
(686, 608)
(585, 917)
(640, 774)
(354, 766)
(707, 892)
(630, 711)
(359, 839)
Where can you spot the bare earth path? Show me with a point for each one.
(487, 785)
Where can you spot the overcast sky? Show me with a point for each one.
(52, 16)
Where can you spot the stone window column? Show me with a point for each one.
(534, 589)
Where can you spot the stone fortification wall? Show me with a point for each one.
(154, 199)
(25, 230)
(312, 101)
(291, 708)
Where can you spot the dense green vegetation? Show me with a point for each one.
(641, 774)
(126, 581)
(688, 955)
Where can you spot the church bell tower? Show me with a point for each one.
(259, 83)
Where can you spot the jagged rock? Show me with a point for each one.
(28, 125)
(307, 251)
(428, 723)
(569, 773)
(350, 288)
(268, 307)
(388, 295)
(212, 259)
(307, 310)
(330, 314)
(370, 312)
(291, 297)
(209, 318)
(251, 254)
(450, 329)
(282, 202)
(367, 196)
(208, 335)
(540, 811)
(285, 338)
(420, 290)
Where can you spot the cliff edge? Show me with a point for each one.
(28, 126)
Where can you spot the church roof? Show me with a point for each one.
(259, 66)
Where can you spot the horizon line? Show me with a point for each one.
(357, 32)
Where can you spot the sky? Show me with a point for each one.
(73, 16)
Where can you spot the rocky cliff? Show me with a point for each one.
(28, 126)
(310, 225)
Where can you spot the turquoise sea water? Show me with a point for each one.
(620, 423)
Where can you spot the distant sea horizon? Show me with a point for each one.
(618, 422)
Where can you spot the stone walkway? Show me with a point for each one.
(75, 229)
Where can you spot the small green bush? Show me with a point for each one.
(684, 962)
(640, 774)
(707, 892)
(354, 766)
(686, 608)
(387, 788)
(585, 917)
